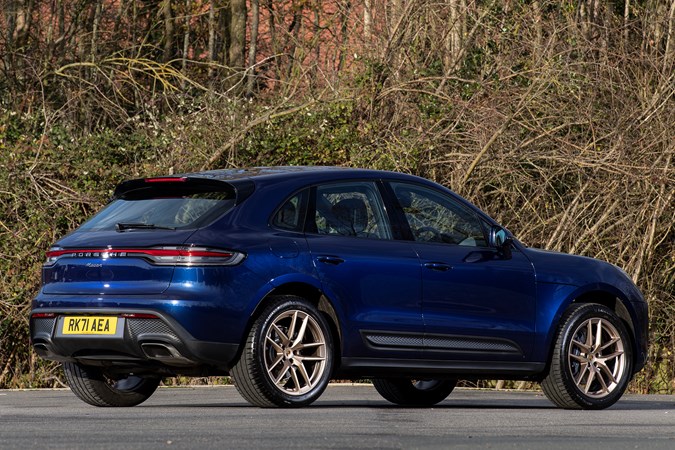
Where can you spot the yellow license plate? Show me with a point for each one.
(89, 325)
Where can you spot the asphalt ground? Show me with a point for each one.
(346, 416)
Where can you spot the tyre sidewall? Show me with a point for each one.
(573, 321)
(260, 329)
(90, 385)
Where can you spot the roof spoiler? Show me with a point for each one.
(181, 185)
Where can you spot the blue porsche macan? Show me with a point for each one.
(287, 277)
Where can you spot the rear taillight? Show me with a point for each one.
(161, 256)
(123, 315)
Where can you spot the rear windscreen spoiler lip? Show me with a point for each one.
(242, 188)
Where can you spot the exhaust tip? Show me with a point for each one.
(165, 353)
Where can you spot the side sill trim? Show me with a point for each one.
(462, 369)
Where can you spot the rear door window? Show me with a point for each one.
(351, 209)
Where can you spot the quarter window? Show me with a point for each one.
(290, 216)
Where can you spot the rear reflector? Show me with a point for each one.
(138, 316)
(43, 315)
(162, 256)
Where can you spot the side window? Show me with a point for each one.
(351, 209)
(290, 216)
(436, 217)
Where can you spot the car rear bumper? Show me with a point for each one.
(143, 343)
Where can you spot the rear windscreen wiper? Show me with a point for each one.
(140, 226)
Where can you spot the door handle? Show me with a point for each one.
(332, 260)
(438, 266)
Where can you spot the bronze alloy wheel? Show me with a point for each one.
(295, 352)
(597, 360)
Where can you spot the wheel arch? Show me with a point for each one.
(603, 295)
(610, 300)
(310, 290)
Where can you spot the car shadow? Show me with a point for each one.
(622, 405)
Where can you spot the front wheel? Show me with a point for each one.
(93, 386)
(288, 357)
(592, 360)
(408, 392)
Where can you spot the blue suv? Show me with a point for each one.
(287, 277)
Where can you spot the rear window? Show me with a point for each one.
(171, 211)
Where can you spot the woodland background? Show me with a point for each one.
(556, 117)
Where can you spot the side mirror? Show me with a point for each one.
(501, 240)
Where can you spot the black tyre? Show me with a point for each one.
(92, 386)
(287, 360)
(592, 359)
(407, 392)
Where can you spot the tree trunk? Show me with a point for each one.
(345, 12)
(294, 30)
(186, 41)
(669, 50)
(367, 19)
(255, 20)
(454, 39)
(626, 17)
(273, 39)
(225, 24)
(212, 36)
(169, 30)
(23, 23)
(237, 33)
(538, 29)
(9, 10)
(94, 29)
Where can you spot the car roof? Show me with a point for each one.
(244, 179)
(288, 172)
(262, 176)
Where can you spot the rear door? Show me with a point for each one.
(373, 280)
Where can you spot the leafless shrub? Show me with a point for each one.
(555, 117)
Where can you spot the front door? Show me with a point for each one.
(477, 303)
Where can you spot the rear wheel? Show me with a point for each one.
(408, 392)
(93, 386)
(288, 357)
(592, 359)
